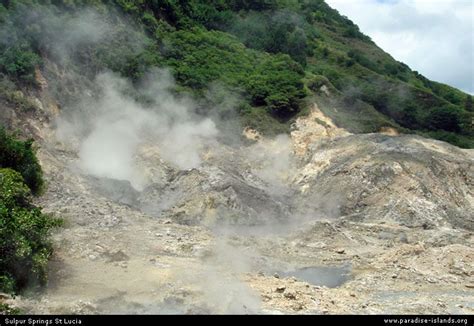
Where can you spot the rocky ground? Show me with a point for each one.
(322, 222)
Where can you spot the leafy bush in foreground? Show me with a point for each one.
(20, 156)
(24, 232)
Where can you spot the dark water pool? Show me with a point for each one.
(330, 276)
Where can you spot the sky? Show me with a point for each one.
(434, 37)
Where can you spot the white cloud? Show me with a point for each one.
(434, 37)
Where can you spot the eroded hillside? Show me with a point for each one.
(323, 221)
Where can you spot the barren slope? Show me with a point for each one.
(386, 220)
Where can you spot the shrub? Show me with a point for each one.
(452, 138)
(200, 57)
(24, 231)
(7, 310)
(19, 62)
(253, 4)
(20, 156)
(280, 106)
(315, 82)
(445, 119)
(468, 104)
(273, 32)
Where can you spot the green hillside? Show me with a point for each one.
(272, 56)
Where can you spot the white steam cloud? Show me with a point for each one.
(272, 159)
(219, 280)
(119, 124)
(86, 28)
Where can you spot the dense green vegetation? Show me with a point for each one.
(7, 310)
(24, 229)
(273, 55)
(19, 155)
(199, 57)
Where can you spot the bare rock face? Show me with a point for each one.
(409, 180)
(313, 128)
(120, 191)
(217, 192)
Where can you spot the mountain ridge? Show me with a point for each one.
(271, 56)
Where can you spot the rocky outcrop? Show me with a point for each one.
(407, 179)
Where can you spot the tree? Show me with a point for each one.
(444, 118)
(297, 46)
(258, 5)
(468, 104)
(20, 156)
(19, 62)
(24, 230)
